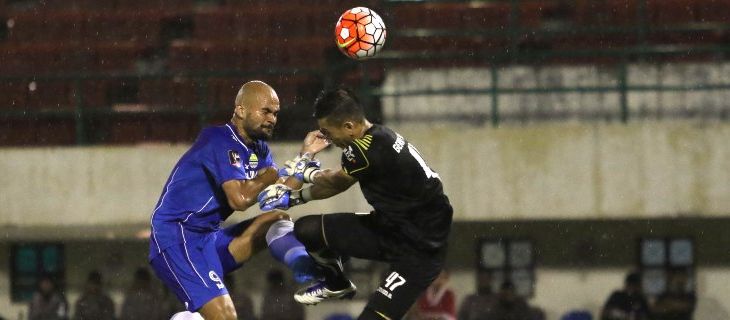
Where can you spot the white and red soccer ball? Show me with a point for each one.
(360, 33)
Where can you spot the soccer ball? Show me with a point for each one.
(360, 33)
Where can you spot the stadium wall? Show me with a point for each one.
(542, 171)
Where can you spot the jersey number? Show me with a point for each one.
(414, 152)
(394, 280)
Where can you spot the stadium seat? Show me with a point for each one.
(713, 11)
(40, 58)
(670, 12)
(123, 26)
(117, 56)
(38, 131)
(13, 94)
(175, 94)
(615, 13)
(50, 96)
(42, 26)
(183, 55)
(214, 24)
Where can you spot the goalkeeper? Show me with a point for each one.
(408, 227)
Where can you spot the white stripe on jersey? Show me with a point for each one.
(201, 209)
(235, 136)
(167, 188)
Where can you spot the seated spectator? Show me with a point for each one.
(47, 303)
(509, 305)
(628, 303)
(678, 302)
(94, 303)
(438, 302)
(476, 306)
(137, 300)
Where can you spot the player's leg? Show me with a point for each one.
(191, 271)
(328, 238)
(238, 243)
(406, 280)
(220, 308)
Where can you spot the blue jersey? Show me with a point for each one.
(193, 204)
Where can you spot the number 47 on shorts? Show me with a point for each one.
(393, 281)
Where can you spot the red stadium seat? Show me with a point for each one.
(606, 13)
(117, 56)
(42, 26)
(13, 95)
(213, 24)
(175, 94)
(124, 26)
(713, 11)
(50, 96)
(188, 56)
(45, 130)
(670, 12)
(40, 58)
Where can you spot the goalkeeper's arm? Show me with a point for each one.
(327, 183)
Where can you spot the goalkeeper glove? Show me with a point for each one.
(302, 168)
(279, 196)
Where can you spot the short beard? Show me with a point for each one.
(259, 135)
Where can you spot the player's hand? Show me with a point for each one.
(314, 142)
(301, 168)
(279, 196)
(275, 196)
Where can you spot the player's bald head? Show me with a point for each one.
(255, 93)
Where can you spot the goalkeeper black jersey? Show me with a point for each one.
(405, 192)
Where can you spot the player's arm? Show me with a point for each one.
(241, 194)
(328, 183)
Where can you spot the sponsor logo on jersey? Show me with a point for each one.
(234, 158)
(253, 161)
(349, 155)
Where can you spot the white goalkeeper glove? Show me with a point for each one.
(302, 167)
(279, 196)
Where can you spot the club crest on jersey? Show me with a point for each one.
(253, 161)
(349, 155)
(234, 158)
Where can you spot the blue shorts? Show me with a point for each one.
(194, 269)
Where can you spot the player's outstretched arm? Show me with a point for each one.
(241, 194)
(329, 182)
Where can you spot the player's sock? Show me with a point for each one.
(186, 315)
(285, 248)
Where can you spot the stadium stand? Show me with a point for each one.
(99, 40)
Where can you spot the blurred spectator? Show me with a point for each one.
(438, 302)
(279, 301)
(47, 303)
(94, 303)
(476, 306)
(241, 299)
(628, 303)
(678, 302)
(509, 305)
(137, 301)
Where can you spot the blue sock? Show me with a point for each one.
(285, 248)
